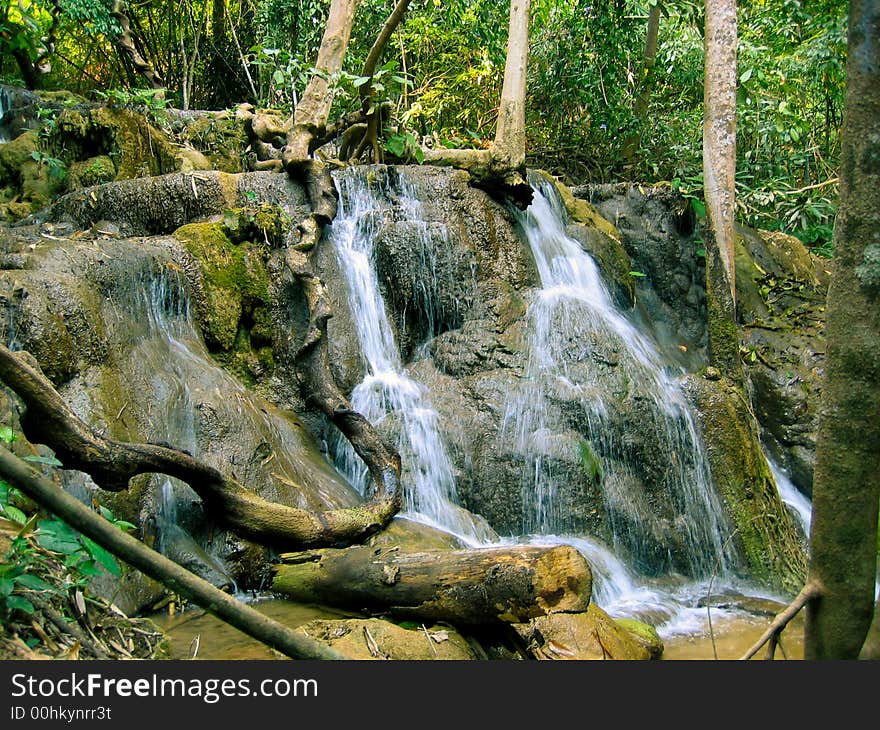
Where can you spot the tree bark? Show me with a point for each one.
(847, 476)
(643, 95)
(113, 463)
(508, 584)
(719, 182)
(719, 128)
(502, 166)
(313, 109)
(509, 148)
(157, 566)
(370, 109)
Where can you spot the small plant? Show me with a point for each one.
(406, 147)
(41, 544)
(590, 461)
(57, 168)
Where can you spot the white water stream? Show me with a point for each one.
(572, 320)
(571, 305)
(387, 396)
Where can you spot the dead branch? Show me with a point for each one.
(808, 593)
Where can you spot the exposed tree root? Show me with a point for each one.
(770, 637)
(113, 463)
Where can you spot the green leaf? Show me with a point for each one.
(7, 435)
(14, 514)
(102, 556)
(638, 274)
(89, 568)
(278, 77)
(396, 145)
(746, 75)
(34, 583)
(22, 604)
(360, 81)
(699, 207)
(6, 587)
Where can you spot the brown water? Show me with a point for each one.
(200, 633)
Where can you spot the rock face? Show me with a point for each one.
(158, 308)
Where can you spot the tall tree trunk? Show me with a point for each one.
(502, 166)
(719, 181)
(313, 110)
(847, 481)
(509, 148)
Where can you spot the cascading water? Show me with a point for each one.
(574, 327)
(792, 497)
(4, 108)
(387, 396)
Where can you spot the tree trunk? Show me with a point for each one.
(372, 112)
(126, 45)
(719, 181)
(847, 476)
(719, 128)
(509, 148)
(502, 166)
(313, 109)
(640, 107)
(510, 584)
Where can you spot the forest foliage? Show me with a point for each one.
(443, 69)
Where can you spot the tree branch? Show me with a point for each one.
(157, 566)
(113, 463)
(809, 592)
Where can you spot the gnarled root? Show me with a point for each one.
(113, 463)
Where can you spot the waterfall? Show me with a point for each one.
(575, 330)
(5, 105)
(797, 503)
(387, 396)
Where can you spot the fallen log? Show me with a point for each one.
(480, 586)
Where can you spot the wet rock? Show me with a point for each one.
(589, 635)
(377, 639)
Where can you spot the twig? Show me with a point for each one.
(810, 591)
(430, 640)
(709, 590)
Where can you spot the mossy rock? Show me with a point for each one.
(137, 148)
(94, 171)
(588, 635)
(16, 153)
(220, 137)
(765, 536)
(263, 222)
(645, 634)
(234, 279)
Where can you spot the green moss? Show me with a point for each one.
(94, 171)
(136, 147)
(723, 336)
(645, 633)
(763, 532)
(220, 137)
(14, 154)
(235, 280)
